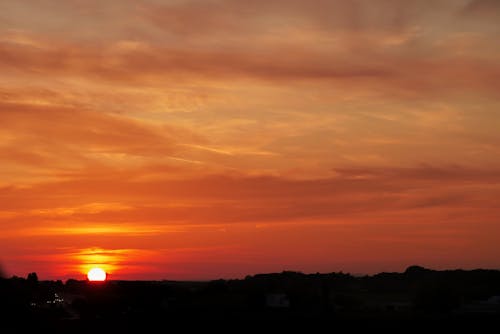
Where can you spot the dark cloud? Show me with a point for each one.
(236, 199)
(370, 71)
(228, 16)
(422, 173)
(482, 9)
(143, 64)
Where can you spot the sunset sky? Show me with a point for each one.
(204, 139)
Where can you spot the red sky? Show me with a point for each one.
(214, 139)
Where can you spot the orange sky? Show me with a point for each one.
(206, 139)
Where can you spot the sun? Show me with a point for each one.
(96, 275)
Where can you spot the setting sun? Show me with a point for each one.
(96, 275)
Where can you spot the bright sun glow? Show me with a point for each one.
(96, 275)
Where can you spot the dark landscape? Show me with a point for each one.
(415, 300)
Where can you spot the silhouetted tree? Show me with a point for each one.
(32, 278)
(416, 271)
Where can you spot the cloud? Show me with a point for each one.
(54, 139)
(241, 199)
(422, 173)
(92, 131)
(226, 16)
(364, 63)
(144, 64)
(489, 9)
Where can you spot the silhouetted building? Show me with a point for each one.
(277, 300)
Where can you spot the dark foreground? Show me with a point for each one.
(415, 301)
